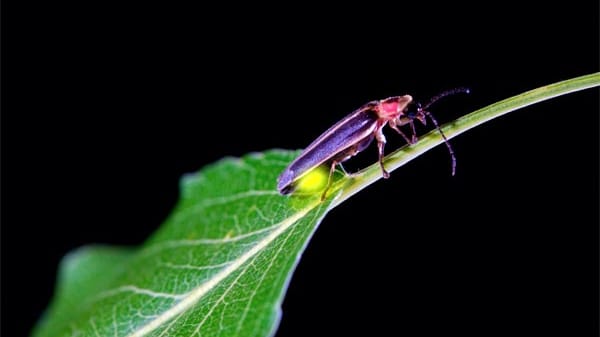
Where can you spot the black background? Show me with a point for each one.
(106, 105)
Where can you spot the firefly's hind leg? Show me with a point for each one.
(329, 180)
(343, 169)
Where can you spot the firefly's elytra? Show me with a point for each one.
(356, 131)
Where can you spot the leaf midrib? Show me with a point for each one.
(192, 297)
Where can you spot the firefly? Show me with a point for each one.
(356, 132)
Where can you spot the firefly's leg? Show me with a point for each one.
(343, 169)
(408, 140)
(329, 180)
(414, 132)
(380, 145)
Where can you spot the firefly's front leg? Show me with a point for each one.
(411, 140)
(380, 145)
(414, 132)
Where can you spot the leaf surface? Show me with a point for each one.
(218, 266)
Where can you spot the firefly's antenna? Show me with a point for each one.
(437, 126)
(444, 94)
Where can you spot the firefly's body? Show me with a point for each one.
(354, 133)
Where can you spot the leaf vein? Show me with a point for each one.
(192, 297)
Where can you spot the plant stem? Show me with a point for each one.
(356, 182)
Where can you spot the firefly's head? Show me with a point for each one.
(413, 111)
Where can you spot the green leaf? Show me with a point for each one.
(220, 263)
(217, 267)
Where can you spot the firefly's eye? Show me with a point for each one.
(413, 110)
